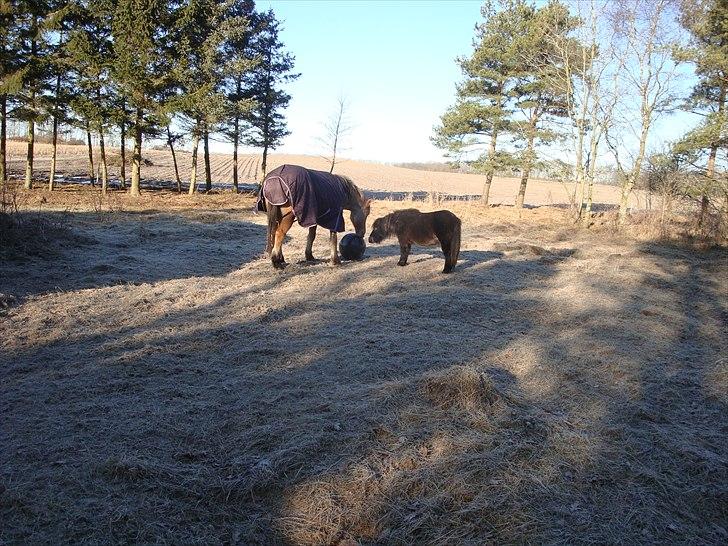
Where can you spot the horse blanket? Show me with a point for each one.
(317, 197)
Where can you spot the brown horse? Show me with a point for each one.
(291, 192)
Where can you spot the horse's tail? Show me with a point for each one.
(261, 205)
(455, 244)
(274, 216)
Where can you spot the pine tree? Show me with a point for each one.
(168, 111)
(90, 54)
(206, 146)
(57, 102)
(10, 76)
(139, 34)
(266, 118)
(707, 23)
(541, 92)
(120, 118)
(29, 44)
(201, 29)
(482, 103)
(240, 61)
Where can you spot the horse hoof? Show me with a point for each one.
(279, 265)
(310, 258)
(334, 263)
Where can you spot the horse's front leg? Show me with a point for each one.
(334, 250)
(277, 255)
(309, 243)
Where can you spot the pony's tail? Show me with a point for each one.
(274, 216)
(455, 244)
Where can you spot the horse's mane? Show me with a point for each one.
(351, 188)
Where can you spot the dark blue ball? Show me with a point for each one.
(352, 247)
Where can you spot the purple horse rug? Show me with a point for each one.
(317, 197)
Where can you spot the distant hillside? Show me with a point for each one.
(429, 166)
(382, 181)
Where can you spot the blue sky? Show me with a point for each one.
(393, 60)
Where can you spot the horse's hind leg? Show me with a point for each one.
(284, 225)
(309, 243)
(274, 216)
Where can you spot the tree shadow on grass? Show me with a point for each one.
(466, 259)
(381, 405)
(221, 413)
(62, 251)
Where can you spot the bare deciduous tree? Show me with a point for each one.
(645, 34)
(336, 128)
(585, 74)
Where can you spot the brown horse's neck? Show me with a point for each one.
(353, 205)
(355, 200)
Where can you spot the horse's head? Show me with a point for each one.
(359, 216)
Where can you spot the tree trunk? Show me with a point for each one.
(208, 173)
(265, 161)
(54, 154)
(704, 203)
(491, 168)
(31, 123)
(580, 174)
(634, 176)
(627, 187)
(29, 158)
(52, 176)
(589, 199)
(235, 153)
(485, 198)
(104, 168)
(528, 160)
(710, 172)
(136, 158)
(333, 155)
(590, 173)
(174, 160)
(90, 157)
(193, 175)
(3, 139)
(122, 128)
(266, 118)
(587, 204)
(525, 173)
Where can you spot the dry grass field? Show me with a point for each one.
(161, 383)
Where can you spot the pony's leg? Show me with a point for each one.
(446, 246)
(309, 243)
(334, 250)
(404, 250)
(283, 226)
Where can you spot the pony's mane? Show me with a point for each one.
(351, 188)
